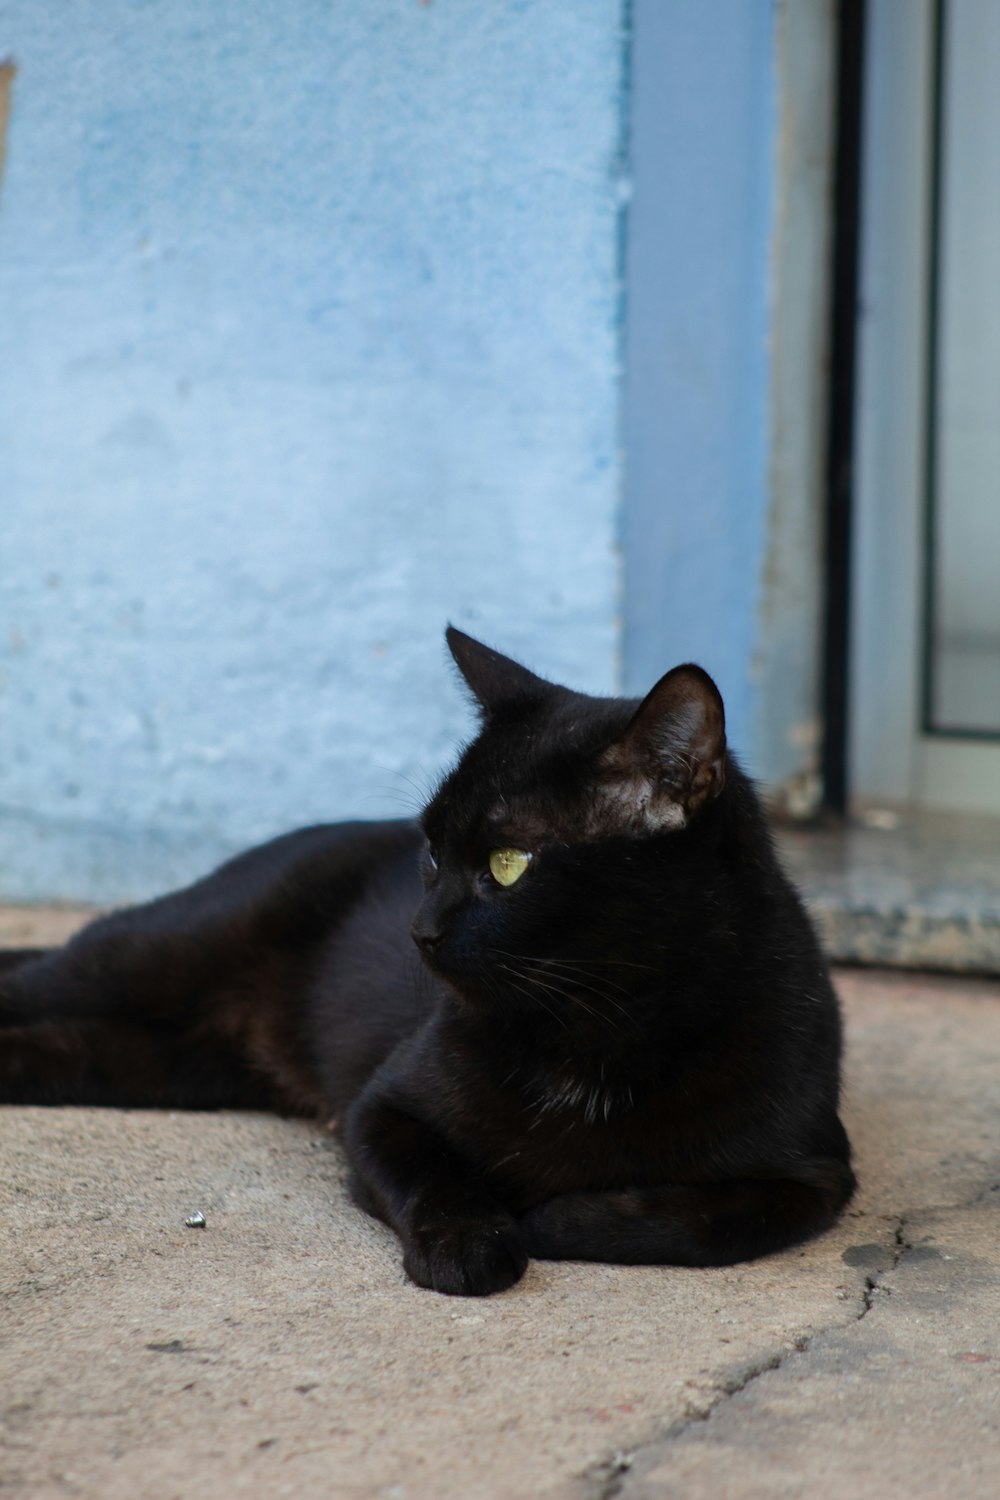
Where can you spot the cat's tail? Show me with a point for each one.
(105, 1021)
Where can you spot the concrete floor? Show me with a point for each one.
(280, 1352)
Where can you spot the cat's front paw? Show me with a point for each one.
(466, 1259)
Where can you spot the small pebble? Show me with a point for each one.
(195, 1221)
(881, 819)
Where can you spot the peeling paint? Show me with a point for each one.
(8, 72)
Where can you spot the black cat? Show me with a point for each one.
(618, 1041)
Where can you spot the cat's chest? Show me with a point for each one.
(594, 1095)
(561, 1131)
(536, 1127)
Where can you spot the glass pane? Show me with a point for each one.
(965, 618)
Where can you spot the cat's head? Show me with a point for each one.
(539, 842)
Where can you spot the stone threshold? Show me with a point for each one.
(903, 889)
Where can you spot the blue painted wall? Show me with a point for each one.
(323, 324)
(697, 397)
(309, 341)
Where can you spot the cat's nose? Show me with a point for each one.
(432, 921)
(426, 938)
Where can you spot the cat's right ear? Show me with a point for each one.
(671, 760)
(494, 680)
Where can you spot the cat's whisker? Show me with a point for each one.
(423, 786)
(617, 963)
(398, 794)
(577, 974)
(591, 959)
(529, 995)
(390, 794)
(574, 975)
(564, 991)
(417, 798)
(569, 992)
(532, 989)
(572, 968)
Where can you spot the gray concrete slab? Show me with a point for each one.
(279, 1351)
(906, 1401)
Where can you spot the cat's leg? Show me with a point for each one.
(456, 1237)
(709, 1224)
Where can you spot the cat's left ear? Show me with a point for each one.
(671, 760)
(495, 680)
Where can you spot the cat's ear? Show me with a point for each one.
(494, 679)
(671, 759)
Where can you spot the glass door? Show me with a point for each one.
(926, 657)
(962, 646)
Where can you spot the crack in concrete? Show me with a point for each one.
(873, 1283)
(608, 1478)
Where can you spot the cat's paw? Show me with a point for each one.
(466, 1259)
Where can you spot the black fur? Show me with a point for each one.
(631, 1054)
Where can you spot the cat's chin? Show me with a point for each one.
(466, 986)
(447, 971)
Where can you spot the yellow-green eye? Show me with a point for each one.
(508, 865)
